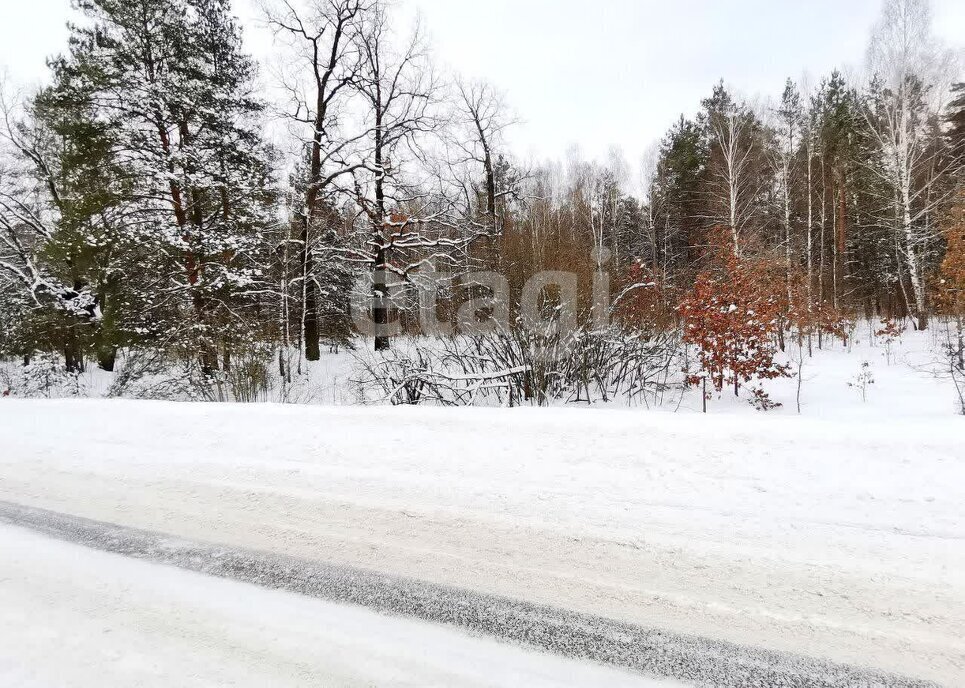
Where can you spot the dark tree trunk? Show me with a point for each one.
(106, 358)
(490, 189)
(841, 234)
(380, 310)
(105, 337)
(73, 358)
(380, 290)
(207, 356)
(312, 349)
(310, 313)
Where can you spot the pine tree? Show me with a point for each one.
(790, 121)
(168, 82)
(89, 248)
(675, 197)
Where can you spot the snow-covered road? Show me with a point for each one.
(693, 660)
(815, 536)
(73, 616)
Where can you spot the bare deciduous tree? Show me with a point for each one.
(398, 90)
(906, 66)
(322, 38)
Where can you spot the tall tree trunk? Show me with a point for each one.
(73, 357)
(810, 227)
(822, 240)
(105, 342)
(284, 315)
(911, 257)
(490, 185)
(788, 258)
(841, 233)
(380, 309)
(309, 299)
(380, 287)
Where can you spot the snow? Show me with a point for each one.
(70, 615)
(836, 533)
(910, 381)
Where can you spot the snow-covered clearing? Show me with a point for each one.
(74, 616)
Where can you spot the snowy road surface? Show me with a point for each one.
(696, 661)
(824, 537)
(73, 616)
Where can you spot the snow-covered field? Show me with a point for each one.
(72, 616)
(838, 533)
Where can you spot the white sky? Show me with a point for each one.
(591, 73)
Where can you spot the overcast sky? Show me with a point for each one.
(585, 72)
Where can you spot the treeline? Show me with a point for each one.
(142, 207)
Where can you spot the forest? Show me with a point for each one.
(150, 226)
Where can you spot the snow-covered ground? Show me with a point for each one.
(838, 533)
(904, 378)
(73, 616)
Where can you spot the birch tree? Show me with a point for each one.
(734, 179)
(903, 58)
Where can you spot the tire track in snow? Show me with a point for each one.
(696, 660)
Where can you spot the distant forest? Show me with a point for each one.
(143, 212)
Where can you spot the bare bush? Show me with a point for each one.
(150, 374)
(45, 375)
(525, 366)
